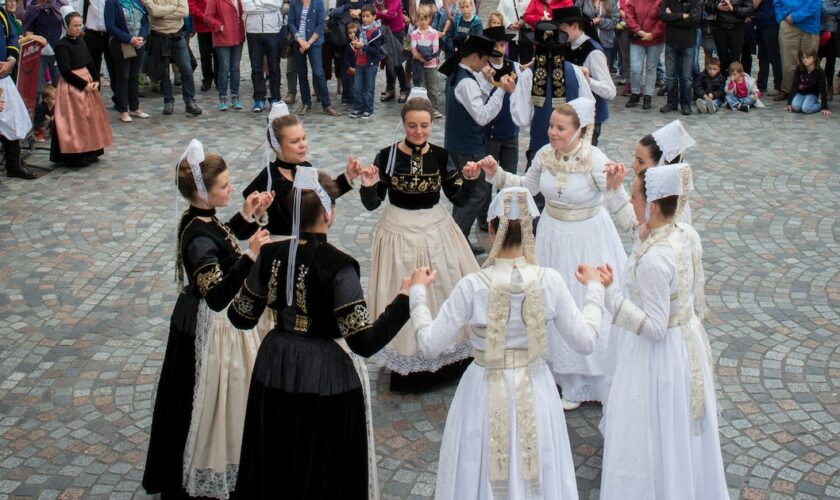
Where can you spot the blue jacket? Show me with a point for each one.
(830, 11)
(344, 5)
(805, 13)
(115, 23)
(314, 19)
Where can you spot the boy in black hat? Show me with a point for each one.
(471, 103)
(587, 53)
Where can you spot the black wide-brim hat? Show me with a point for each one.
(472, 44)
(498, 34)
(569, 15)
(546, 34)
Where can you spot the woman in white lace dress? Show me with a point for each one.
(573, 228)
(505, 434)
(660, 420)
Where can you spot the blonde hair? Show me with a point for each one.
(426, 11)
(495, 14)
(461, 3)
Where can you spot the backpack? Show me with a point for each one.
(338, 29)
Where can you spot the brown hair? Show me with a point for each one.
(713, 61)
(417, 104)
(281, 124)
(352, 26)
(310, 205)
(667, 205)
(48, 90)
(808, 52)
(513, 235)
(566, 109)
(370, 9)
(498, 14)
(736, 66)
(211, 168)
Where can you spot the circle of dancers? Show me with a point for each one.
(264, 390)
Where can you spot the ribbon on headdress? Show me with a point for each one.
(513, 203)
(272, 145)
(194, 154)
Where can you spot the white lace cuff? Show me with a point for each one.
(593, 306)
(421, 316)
(629, 317)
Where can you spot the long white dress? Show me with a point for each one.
(468, 439)
(574, 229)
(660, 420)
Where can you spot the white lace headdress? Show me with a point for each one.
(416, 92)
(667, 180)
(672, 140)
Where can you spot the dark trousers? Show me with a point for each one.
(596, 133)
(829, 51)
(12, 151)
(748, 49)
(265, 45)
(124, 80)
(97, 44)
(396, 73)
(332, 58)
(767, 38)
(729, 41)
(209, 63)
(506, 152)
(465, 216)
(678, 64)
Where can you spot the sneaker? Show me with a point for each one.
(259, 106)
(168, 108)
(222, 104)
(745, 108)
(662, 91)
(235, 103)
(275, 102)
(193, 109)
(355, 114)
(667, 108)
(686, 110)
(646, 102)
(633, 101)
(205, 86)
(701, 106)
(39, 134)
(736, 106)
(139, 114)
(366, 115)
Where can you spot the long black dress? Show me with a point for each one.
(280, 213)
(216, 269)
(306, 434)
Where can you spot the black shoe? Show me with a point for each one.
(193, 109)
(633, 101)
(387, 96)
(745, 108)
(482, 225)
(22, 172)
(476, 250)
(168, 108)
(646, 102)
(205, 86)
(667, 108)
(660, 83)
(686, 110)
(662, 91)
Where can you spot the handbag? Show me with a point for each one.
(128, 51)
(287, 39)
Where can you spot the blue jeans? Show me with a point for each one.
(268, 45)
(732, 101)
(678, 64)
(717, 104)
(805, 103)
(364, 84)
(314, 56)
(644, 59)
(228, 72)
(698, 49)
(180, 57)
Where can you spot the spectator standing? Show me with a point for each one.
(97, 39)
(605, 16)
(829, 42)
(306, 21)
(225, 19)
(681, 18)
(390, 13)
(425, 49)
(368, 48)
(209, 63)
(728, 27)
(348, 74)
(540, 10)
(799, 29)
(767, 41)
(512, 12)
(263, 22)
(646, 43)
(127, 24)
(167, 44)
(43, 18)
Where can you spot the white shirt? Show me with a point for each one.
(96, 15)
(472, 94)
(600, 80)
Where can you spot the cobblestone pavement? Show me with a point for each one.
(87, 288)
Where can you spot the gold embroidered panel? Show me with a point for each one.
(207, 277)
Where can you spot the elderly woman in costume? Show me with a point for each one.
(664, 146)
(416, 229)
(308, 428)
(660, 421)
(574, 228)
(505, 434)
(200, 404)
(81, 130)
(286, 149)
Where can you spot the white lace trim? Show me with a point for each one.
(209, 483)
(405, 365)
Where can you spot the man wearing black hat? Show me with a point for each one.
(471, 103)
(587, 53)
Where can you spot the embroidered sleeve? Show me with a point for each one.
(618, 203)
(216, 286)
(250, 300)
(242, 228)
(364, 337)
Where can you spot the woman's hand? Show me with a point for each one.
(249, 206)
(616, 172)
(304, 45)
(370, 176)
(488, 165)
(405, 284)
(137, 42)
(826, 113)
(789, 109)
(606, 273)
(586, 274)
(471, 171)
(92, 86)
(266, 199)
(423, 276)
(259, 239)
(353, 168)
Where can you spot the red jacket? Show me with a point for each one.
(223, 13)
(644, 15)
(197, 8)
(536, 10)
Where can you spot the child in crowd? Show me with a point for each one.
(811, 90)
(368, 47)
(709, 87)
(466, 23)
(44, 113)
(425, 48)
(349, 65)
(741, 91)
(497, 19)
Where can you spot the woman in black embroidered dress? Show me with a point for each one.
(200, 341)
(308, 431)
(416, 230)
